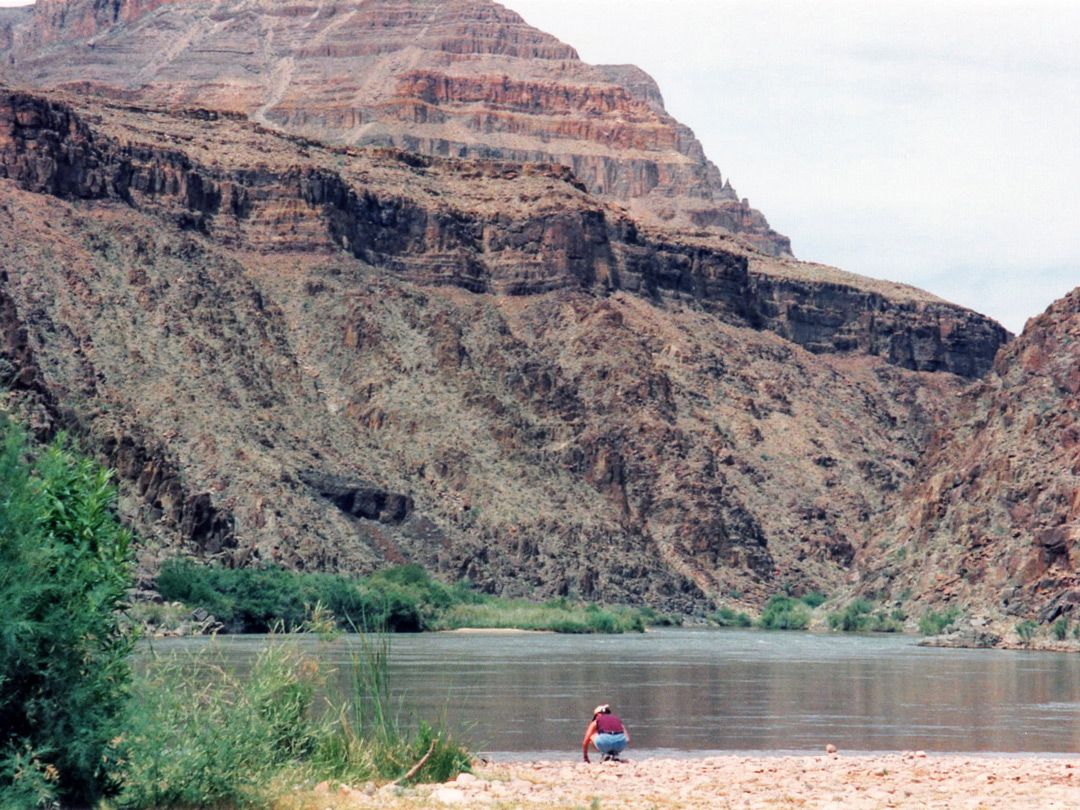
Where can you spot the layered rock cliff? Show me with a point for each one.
(462, 78)
(561, 400)
(992, 520)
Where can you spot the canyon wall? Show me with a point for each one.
(992, 518)
(558, 399)
(461, 78)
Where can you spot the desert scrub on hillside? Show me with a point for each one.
(862, 615)
(784, 613)
(727, 617)
(401, 599)
(1027, 630)
(64, 675)
(933, 623)
(1060, 629)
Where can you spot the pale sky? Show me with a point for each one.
(933, 143)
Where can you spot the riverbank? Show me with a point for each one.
(826, 782)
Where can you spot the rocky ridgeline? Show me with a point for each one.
(558, 237)
(466, 78)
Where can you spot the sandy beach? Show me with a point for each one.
(852, 782)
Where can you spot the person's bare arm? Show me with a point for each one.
(589, 732)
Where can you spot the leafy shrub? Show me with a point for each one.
(860, 615)
(813, 599)
(652, 618)
(726, 617)
(784, 613)
(933, 623)
(64, 677)
(1060, 629)
(254, 600)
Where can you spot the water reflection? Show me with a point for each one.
(685, 690)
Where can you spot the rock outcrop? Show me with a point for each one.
(556, 237)
(566, 402)
(992, 521)
(460, 78)
(359, 498)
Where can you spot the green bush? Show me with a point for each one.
(1060, 629)
(726, 617)
(1026, 630)
(651, 618)
(401, 599)
(933, 623)
(813, 599)
(254, 600)
(861, 616)
(784, 613)
(64, 572)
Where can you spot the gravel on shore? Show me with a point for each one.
(852, 782)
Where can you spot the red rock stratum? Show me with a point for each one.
(461, 78)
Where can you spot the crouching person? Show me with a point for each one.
(606, 733)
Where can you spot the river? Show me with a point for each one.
(683, 691)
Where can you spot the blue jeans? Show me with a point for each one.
(610, 743)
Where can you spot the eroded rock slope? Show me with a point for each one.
(992, 521)
(340, 358)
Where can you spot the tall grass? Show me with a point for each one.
(371, 736)
(557, 615)
(203, 736)
(206, 737)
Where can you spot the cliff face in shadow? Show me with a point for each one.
(524, 385)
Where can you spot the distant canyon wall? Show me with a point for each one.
(47, 148)
(466, 78)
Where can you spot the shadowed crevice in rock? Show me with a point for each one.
(359, 499)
